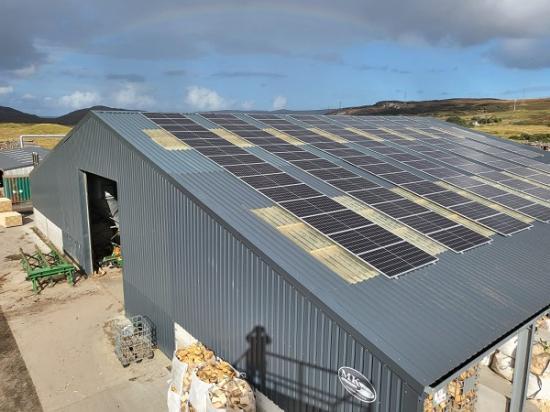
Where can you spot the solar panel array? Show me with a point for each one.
(400, 152)
(515, 164)
(473, 210)
(436, 149)
(488, 192)
(445, 231)
(380, 248)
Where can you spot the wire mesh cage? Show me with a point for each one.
(134, 340)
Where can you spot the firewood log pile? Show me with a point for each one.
(216, 371)
(231, 394)
(207, 383)
(194, 354)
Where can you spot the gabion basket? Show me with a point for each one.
(134, 340)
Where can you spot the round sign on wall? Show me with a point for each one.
(356, 384)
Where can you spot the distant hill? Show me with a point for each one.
(449, 107)
(9, 115)
(525, 120)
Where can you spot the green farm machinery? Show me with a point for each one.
(41, 266)
(114, 259)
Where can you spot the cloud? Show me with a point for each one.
(247, 105)
(129, 77)
(202, 98)
(79, 73)
(279, 102)
(26, 71)
(79, 99)
(523, 53)
(175, 72)
(286, 27)
(132, 96)
(266, 75)
(6, 90)
(440, 70)
(382, 68)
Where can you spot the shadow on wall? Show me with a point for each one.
(293, 384)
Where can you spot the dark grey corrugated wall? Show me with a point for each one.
(182, 265)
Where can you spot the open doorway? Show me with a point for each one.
(103, 221)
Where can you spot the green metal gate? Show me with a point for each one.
(18, 189)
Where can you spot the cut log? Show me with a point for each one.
(5, 204)
(10, 219)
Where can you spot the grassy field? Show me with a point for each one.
(530, 116)
(12, 131)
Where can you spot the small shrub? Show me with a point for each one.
(457, 120)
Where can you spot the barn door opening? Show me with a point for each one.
(103, 219)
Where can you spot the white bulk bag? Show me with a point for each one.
(503, 365)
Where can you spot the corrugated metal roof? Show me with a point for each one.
(20, 157)
(426, 323)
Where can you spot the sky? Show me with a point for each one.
(178, 55)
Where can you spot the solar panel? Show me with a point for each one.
(364, 239)
(443, 173)
(397, 259)
(313, 164)
(541, 178)
(424, 188)
(463, 181)
(220, 151)
(475, 168)
(337, 222)
(447, 198)
(236, 160)
(332, 174)
(520, 185)
(476, 211)
(459, 238)
(375, 196)
(403, 157)
(402, 177)
(429, 222)
(539, 192)
(487, 191)
(505, 224)
(283, 193)
(401, 208)
(273, 180)
(248, 170)
(303, 155)
(537, 211)
(353, 183)
(362, 160)
(512, 201)
(312, 206)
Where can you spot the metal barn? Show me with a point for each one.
(266, 274)
(15, 167)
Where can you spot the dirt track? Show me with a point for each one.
(57, 354)
(17, 392)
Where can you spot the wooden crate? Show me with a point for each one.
(10, 219)
(5, 204)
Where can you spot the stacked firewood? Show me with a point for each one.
(231, 394)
